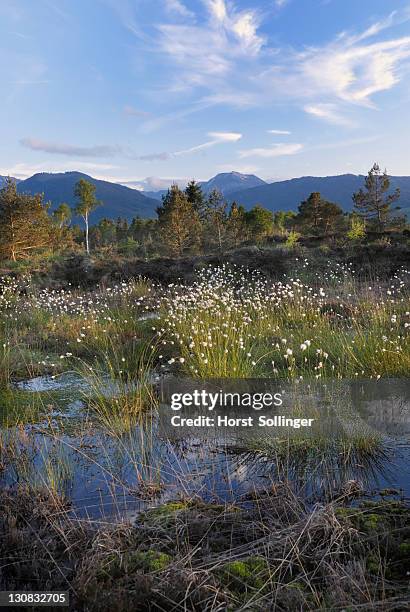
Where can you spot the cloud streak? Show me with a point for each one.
(176, 7)
(164, 156)
(350, 70)
(277, 150)
(329, 113)
(216, 139)
(131, 111)
(59, 148)
(279, 132)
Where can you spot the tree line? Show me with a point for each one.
(189, 221)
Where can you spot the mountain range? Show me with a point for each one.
(121, 201)
(287, 195)
(225, 182)
(117, 200)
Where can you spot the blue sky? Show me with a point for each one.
(144, 91)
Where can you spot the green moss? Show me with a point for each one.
(386, 492)
(165, 511)
(150, 561)
(248, 574)
(376, 516)
(346, 513)
(383, 526)
(404, 549)
(168, 512)
(371, 522)
(373, 564)
(131, 562)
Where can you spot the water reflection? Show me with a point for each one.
(364, 438)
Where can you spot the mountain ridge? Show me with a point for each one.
(225, 182)
(118, 200)
(287, 195)
(122, 201)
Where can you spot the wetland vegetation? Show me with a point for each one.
(98, 500)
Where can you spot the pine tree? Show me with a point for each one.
(178, 222)
(195, 196)
(374, 204)
(25, 226)
(319, 215)
(310, 211)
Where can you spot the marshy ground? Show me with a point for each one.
(97, 500)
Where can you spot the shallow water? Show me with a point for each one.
(112, 476)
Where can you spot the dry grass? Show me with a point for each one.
(268, 553)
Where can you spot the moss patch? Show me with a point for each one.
(384, 525)
(246, 575)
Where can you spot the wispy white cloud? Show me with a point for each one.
(207, 51)
(279, 132)
(349, 70)
(198, 52)
(218, 9)
(155, 183)
(131, 111)
(242, 24)
(328, 112)
(352, 72)
(352, 142)
(235, 99)
(176, 7)
(24, 170)
(60, 148)
(164, 156)
(374, 29)
(216, 138)
(277, 150)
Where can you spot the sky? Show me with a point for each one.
(145, 92)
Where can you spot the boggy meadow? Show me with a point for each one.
(95, 494)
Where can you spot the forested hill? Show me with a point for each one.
(118, 200)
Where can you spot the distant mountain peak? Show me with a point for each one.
(227, 182)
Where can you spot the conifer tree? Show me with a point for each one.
(178, 222)
(374, 203)
(195, 196)
(319, 215)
